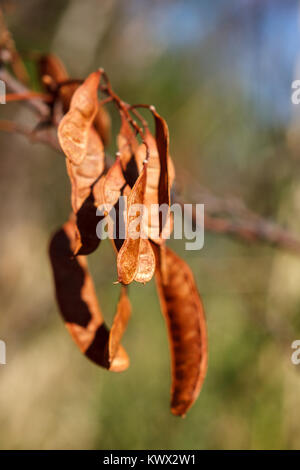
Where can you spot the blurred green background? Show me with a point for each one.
(220, 73)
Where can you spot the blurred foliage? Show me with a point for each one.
(220, 74)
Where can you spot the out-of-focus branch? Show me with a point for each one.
(226, 216)
(256, 229)
(252, 229)
(9, 53)
(35, 136)
(40, 109)
(15, 86)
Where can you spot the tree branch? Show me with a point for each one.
(251, 230)
(13, 85)
(35, 136)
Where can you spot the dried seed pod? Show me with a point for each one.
(120, 221)
(56, 80)
(113, 184)
(50, 65)
(146, 257)
(160, 251)
(102, 124)
(157, 227)
(78, 303)
(140, 156)
(171, 171)
(55, 76)
(127, 146)
(184, 314)
(128, 256)
(83, 177)
(119, 325)
(146, 262)
(166, 171)
(74, 128)
(123, 171)
(113, 187)
(162, 143)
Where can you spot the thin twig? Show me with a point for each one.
(32, 95)
(13, 85)
(35, 136)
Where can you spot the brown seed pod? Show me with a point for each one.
(156, 230)
(128, 256)
(74, 128)
(162, 143)
(141, 155)
(144, 173)
(127, 146)
(102, 124)
(113, 184)
(83, 177)
(50, 65)
(55, 77)
(146, 262)
(119, 325)
(78, 303)
(184, 314)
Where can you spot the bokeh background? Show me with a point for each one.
(220, 73)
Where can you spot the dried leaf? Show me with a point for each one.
(74, 129)
(78, 303)
(128, 256)
(119, 325)
(183, 310)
